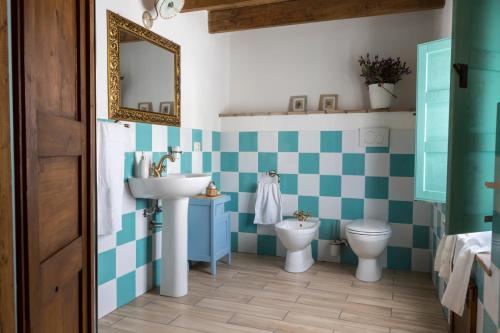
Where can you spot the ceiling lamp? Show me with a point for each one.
(165, 9)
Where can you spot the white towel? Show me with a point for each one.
(269, 203)
(467, 246)
(111, 139)
(444, 256)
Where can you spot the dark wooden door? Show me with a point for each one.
(53, 54)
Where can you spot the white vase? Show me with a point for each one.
(381, 95)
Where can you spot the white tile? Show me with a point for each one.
(401, 188)
(309, 141)
(159, 138)
(324, 252)
(229, 181)
(141, 225)
(246, 202)
(290, 204)
(280, 248)
(402, 235)
(422, 213)
(350, 142)
(247, 242)
(308, 184)
(376, 209)
(107, 298)
(125, 258)
(130, 144)
(157, 245)
(229, 141)
(288, 163)
(143, 279)
(330, 164)
(247, 162)
(106, 242)
(216, 161)
(174, 167)
(186, 139)
(343, 224)
(480, 317)
(207, 140)
(265, 230)
(491, 293)
(128, 203)
(402, 141)
(234, 221)
(197, 162)
(377, 165)
(420, 260)
(353, 187)
(268, 141)
(329, 208)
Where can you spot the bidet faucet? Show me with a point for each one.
(301, 215)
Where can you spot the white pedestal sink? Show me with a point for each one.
(174, 191)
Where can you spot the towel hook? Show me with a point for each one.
(273, 173)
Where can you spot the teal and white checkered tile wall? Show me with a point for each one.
(128, 261)
(488, 287)
(327, 174)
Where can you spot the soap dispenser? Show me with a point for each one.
(142, 170)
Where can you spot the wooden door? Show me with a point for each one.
(53, 80)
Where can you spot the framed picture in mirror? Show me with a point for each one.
(145, 106)
(167, 107)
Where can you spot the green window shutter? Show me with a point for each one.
(471, 161)
(433, 107)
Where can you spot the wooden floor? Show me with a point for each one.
(256, 295)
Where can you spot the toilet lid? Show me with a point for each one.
(369, 226)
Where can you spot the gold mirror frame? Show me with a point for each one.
(115, 110)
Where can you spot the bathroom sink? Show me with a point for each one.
(174, 191)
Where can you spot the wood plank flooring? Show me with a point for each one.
(256, 295)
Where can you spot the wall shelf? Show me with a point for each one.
(290, 113)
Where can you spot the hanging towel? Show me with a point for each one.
(111, 140)
(467, 246)
(269, 203)
(444, 256)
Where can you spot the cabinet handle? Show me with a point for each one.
(463, 73)
(488, 218)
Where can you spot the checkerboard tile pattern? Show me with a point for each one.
(128, 261)
(327, 174)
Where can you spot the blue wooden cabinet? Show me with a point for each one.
(209, 230)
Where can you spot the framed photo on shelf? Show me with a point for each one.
(145, 106)
(328, 102)
(298, 104)
(167, 108)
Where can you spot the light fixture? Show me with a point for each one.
(164, 8)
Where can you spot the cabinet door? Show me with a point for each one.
(475, 94)
(433, 107)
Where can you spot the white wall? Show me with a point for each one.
(443, 20)
(204, 62)
(270, 65)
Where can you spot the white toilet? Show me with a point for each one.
(297, 236)
(368, 238)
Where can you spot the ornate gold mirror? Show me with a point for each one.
(144, 74)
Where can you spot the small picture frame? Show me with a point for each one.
(145, 106)
(328, 102)
(167, 108)
(298, 104)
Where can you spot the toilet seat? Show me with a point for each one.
(368, 227)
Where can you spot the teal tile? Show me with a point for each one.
(377, 150)
(127, 234)
(376, 187)
(143, 251)
(231, 205)
(401, 212)
(234, 242)
(129, 165)
(215, 141)
(229, 162)
(399, 258)
(174, 136)
(421, 236)
(309, 204)
(353, 164)
(266, 245)
(141, 204)
(331, 142)
(207, 162)
(314, 249)
(125, 289)
(352, 209)
(156, 272)
(329, 229)
(288, 183)
(347, 256)
(106, 266)
(187, 162)
(488, 323)
(197, 136)
(216, 178)
(478, 274)
(288, 141)
(330, 186)
(143, 137)
(402, 165)
(309, 163)
(245, 223)
(268, 161)
(248, 141)
(248, 182)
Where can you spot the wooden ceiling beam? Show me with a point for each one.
(194, 5)
(304, 11)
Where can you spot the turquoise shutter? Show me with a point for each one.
(474, 99)
(433, 107)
